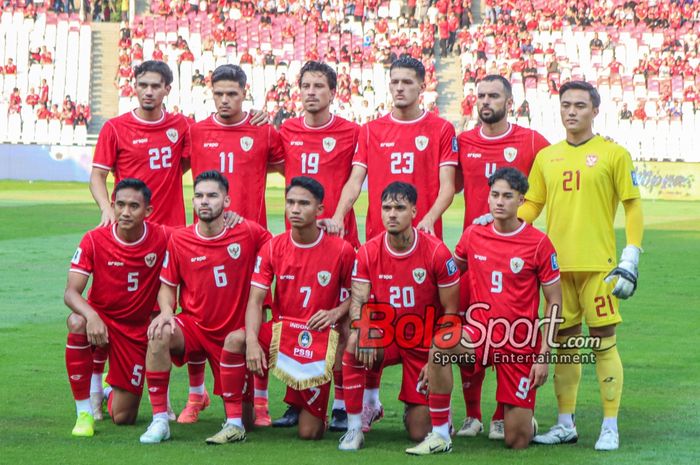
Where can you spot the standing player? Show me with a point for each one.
(212, 266)
(124, 260)
(229, 143)
(321, 145)
(509, 261)
(409, 145)
(412, 271)
(308, 287)
(482, 150)
(582, 180)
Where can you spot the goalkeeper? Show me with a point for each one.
(582, 180)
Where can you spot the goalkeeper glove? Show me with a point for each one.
(626, 273)
(483, 220)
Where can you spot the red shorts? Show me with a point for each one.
(412, 362)
(197, 342)
(513, 379)
(127, 356)
(314, 400)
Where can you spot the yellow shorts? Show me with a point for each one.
(585, 294)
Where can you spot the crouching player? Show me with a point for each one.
(312, 273)
(124, 260)
(508, 262)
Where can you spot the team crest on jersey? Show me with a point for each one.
(150, 259)
(591, 160)
(328, 144)
(419, 275)
(305, 339)
(172, 135)
(516, 264)
(421, 142)
(509, 153)
(324, 277)
(234, 250)
(246, 143)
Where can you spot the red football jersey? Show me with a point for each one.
(506, 272)
(124, 275)
(480, 156)
(307, 281)
(214, 274)
(408, 151)
(324, 153)
(409, 281)
(241, 152)
(151, 152)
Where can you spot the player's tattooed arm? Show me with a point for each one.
(167, 299)
(359, 296)
(552, 295)
(258, 118)
(255, 356)
(98, 189)
(351, 191)
(231, 219)
(95, 328)
(442, 202)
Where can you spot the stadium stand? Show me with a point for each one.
(43, 99)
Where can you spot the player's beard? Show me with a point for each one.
(495, 117)
(210, 216)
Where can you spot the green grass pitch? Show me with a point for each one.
(41, 224)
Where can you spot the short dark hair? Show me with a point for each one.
(507, 87)
(229, 73)
(155, 66)
(409, 62)
(400, 190)
(310, 184)
(137, 185)
(581, 85)
(514, 177)
(212, 175)
(319, 67)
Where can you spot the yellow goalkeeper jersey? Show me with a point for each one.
(581, 188)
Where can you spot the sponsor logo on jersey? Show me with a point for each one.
(288, 277)
(481, 258)
(198, 259)
(140, 141)
(324, 277)
(386, 276)
(328, 144)
(246, 143)
(473, 155)
(76, 256)
(419, 275)
(591, 160)
(635, 180)
(305, 339)
(150, 259)
(296, 143)
(172, 135)
(421, 142)
(386, 144)
(211, 145)
(234, 250)
(509, 153)
(516, 264)
(115, 263)
(455, 145)
(451, 267)
(555, 263)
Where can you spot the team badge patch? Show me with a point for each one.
(328, 144)
(76, 256)
(166, 259)
(354, 269)
(455, 145)
(591, 160)
(451, 267)
(234, 250)
(172, 135)
(509, 153)
(421, 142)
(555, 263)
(324, 277)
(150, 259)
(635, 180)
(246, 143)
(305, 339)
(516, 264)
(419, 275)
(258, 261)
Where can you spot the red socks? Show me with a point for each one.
(354, 378)
(233, 376)
(471, 388)
(338, 383)
(439, 405)
(79, 365)
(158, 390)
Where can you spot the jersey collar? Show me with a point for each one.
(512, 233)
(205, 238)
(391, 116)
(240, 123)
(143, 121)
(318, 128)
(401, 254)
(307, 246)
(130, 244)
(484, 136)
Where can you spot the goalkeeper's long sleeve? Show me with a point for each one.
(634, 222)
(529, 211)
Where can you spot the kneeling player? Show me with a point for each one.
(124, 260)
(312, 272)
(212, 266)
(412, 271)
(508, 261)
